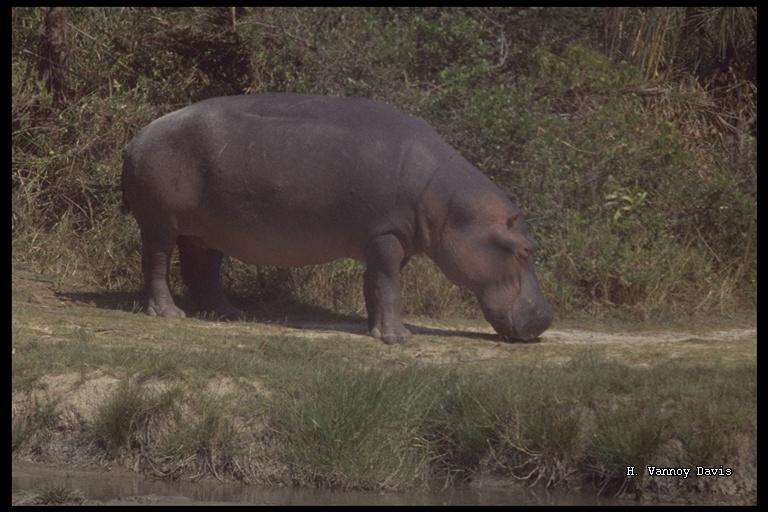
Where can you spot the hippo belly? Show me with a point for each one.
(283, 208)
(279, 245)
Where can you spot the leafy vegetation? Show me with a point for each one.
(626, 134)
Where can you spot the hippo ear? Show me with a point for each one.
(512, 220)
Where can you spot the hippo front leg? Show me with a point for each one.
(384, 256)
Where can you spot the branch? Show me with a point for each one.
(503, 50)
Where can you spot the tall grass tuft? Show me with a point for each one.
(358, 427)
(123, 420)
(385, 428)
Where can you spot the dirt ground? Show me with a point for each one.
(36, 289)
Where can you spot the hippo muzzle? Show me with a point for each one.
(523, 323)
(529, 314)
(525, 326)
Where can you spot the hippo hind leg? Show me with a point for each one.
(384, 259)
(200, 271)
(156, 250)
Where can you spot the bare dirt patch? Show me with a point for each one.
(75, 399)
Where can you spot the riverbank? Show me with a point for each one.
(313, 402)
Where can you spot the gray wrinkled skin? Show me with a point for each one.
(290, 180)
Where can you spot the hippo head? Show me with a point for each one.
(485, 247)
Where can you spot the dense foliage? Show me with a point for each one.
(627, 135)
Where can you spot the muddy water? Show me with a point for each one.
(125, 488)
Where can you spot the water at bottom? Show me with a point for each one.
(121, 487)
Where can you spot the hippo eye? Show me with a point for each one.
(512, 219)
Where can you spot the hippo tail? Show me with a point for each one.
(124, 206)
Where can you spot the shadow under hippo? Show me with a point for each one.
(295, 315)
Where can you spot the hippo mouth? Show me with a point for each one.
(525, 330)
(512, 335)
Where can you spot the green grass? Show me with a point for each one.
(262, 402)
(128, 413)
(408, 425)
(346, 425)
(207, 434)
(37, 424)
(55, 494)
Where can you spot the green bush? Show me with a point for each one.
(631, 211)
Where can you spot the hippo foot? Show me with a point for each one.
(167, 310)
(391, 336)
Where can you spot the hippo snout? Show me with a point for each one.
(533, 323)
(524, 325)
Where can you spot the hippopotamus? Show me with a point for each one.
(289, 180)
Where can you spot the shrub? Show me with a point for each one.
(638, 203)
